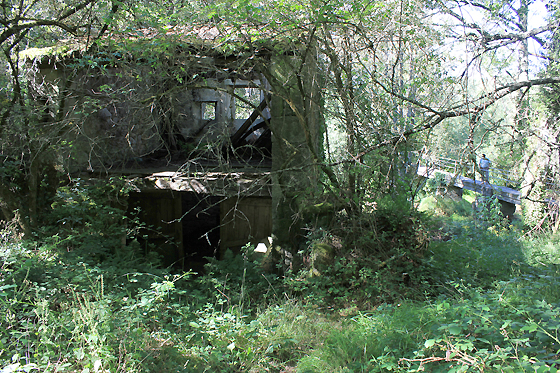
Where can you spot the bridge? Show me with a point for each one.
(449, 170)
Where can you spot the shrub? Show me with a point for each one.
(378, 257)
(89, 220)
(237, 281)
(476, 255)
(59, 312)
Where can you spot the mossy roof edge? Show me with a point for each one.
(206, 40)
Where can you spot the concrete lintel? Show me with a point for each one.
(217, 184)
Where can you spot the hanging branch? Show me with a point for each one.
(439, 116)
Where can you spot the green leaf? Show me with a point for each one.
(529, 328)
(429, 343)
(455, 329)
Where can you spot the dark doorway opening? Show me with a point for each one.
(186, 228)
(201, 228)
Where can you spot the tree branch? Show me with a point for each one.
(29, 23)
(75, 9)
(439, 116)
(35, 23)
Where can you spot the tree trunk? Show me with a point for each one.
(522, 107)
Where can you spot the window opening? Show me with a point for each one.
(242, 109)
(209, 110)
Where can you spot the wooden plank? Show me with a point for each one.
(244, 220)
(159, 212)
(238, 135)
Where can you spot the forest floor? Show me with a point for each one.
(489, 304)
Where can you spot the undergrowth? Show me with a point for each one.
(477, 298)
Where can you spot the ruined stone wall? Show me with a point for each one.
(112, 116)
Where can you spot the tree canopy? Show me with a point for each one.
(392, 72)
(369, 267)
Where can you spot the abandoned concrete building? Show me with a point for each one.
(216, 134)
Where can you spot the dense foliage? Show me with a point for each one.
(391, 84)
(384, 274)
(479, 298)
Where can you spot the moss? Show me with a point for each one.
(59, 51)
(322, 258)
(225, 41)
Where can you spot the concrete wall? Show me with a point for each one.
(296, 126)
(102, 115)
(108, 117)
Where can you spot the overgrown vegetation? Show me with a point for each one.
(476, 298)
(371, 271)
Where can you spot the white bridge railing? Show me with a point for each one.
(497, 176)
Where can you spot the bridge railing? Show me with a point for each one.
(501, 177)
(445, 164)
(497, 176)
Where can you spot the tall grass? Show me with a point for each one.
(491, 303)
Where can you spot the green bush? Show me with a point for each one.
(63, 313)
(475, 298)
(543, 249)
(236, 281)
(378, 257)
(501, 329)
(89, 220)
(476, 255)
